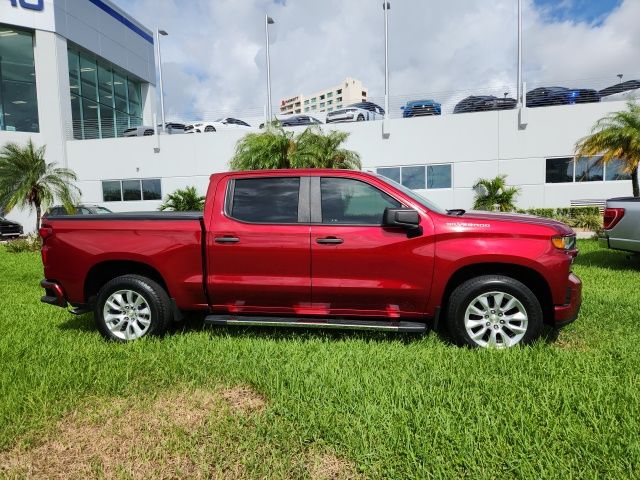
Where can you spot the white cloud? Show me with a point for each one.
(214, 56)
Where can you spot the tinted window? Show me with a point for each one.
(589, 170)
(266, 200)
(131, 190)
(615, 171)
(346, 201)
(391, 172)
(559, 170)
(151, 189)
(413, 177)
(111, 191)
(439, 176)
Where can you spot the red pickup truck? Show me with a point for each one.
(315, 248)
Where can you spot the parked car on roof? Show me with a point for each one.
(545, 96)
(421, 108)
(83, 209)
(357, 112)
(299, 120)
(628, 90)
(9, 228)
(484, 103)
(141, 131)
(226, 123)
(172, 128)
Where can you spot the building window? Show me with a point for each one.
(306, 102)
(413, 177)
(339, 99)
(339, 91)
(313, 100)
(329, 102)
(439, 176)
(18, 99)
(589, 170)
(615, 171)
(321, 97)
(339, 106)
(419, 177)
(313, 107)
(131, 190)
(330, 94)
(364, 94)
(306, 109)
(559, 170)
(104, 101)
(392, 173)
(321, 104)
(330, 109)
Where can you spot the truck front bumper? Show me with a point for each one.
(567, 313)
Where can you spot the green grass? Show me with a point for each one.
(393, 406)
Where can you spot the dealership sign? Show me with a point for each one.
(37, 5)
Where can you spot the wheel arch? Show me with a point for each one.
(105, 271)
(528, 276)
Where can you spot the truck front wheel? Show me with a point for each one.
(493, 311)
(130, 307)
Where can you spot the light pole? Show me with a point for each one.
(268, 21)
(620, 75)
(159, 53)
(386, 6)
(519, 87)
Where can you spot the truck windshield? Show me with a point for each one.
(410, 193)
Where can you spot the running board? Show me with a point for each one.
(390, 326)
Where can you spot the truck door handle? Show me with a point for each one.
(329, 241)
(227, 240)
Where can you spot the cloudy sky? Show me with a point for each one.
(214, 57)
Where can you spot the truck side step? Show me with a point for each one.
(390, 326)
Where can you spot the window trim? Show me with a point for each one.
(316, 202)
(303, 207)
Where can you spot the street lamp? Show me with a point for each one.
(268, 21)
(385, 7)
(519, 87)
(164, 33)
(620, 75)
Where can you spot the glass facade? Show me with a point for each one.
(18, 99)
(104, 100)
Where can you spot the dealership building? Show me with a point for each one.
(74, 74)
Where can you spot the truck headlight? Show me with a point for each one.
(564, 242)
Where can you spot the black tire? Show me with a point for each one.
(209, 128)
(462, 297)
(157, 299)
(360, 118)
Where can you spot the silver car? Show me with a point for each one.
(622, 224)
(358, 112)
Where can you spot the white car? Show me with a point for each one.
(226, 123)
(141, 131)
(625, 91)
(358, 112)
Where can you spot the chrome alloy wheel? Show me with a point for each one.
(127, 314)
(496, 319)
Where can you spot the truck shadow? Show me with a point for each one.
(609, 259)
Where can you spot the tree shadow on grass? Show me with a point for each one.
(609, 259)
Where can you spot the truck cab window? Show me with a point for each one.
(348, 202)
(265, 200)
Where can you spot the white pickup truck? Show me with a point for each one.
(622, 224)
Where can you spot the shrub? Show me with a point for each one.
(31, 243)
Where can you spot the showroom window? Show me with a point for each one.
(104, 100)
(131, 190)
(585, 169)
(18, 100)
(419, 177)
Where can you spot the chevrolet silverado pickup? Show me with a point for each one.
(315, 248)
(622, 224)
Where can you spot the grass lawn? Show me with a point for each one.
(236, 403)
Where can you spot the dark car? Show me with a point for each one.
(621, 91)
(299, 120)
(421, 108)
(545, 96)
(9, 228)
(83, 209)
(484, 103)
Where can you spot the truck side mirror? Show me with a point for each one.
(405, 218)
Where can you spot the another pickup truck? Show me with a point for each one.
(316, 248)
(622, 224)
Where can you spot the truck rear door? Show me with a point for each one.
(258, 245)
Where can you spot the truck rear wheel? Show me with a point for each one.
(130, 307)
(493, 311)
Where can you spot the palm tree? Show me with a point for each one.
(616, 136)
(276, 148)
(490, 193)
(27, 180)
(184, 200)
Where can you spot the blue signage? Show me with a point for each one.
(37, 5)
